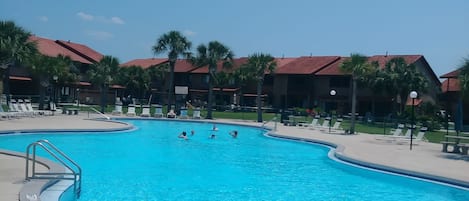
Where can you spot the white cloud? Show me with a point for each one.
(117, 20)
(189, 33)
(43, 18)
(99, 35)
(85, 16)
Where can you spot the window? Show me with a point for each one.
(339, 82)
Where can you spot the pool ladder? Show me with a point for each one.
(274, 119)
(73, 173)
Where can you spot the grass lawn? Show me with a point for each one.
(376, 128)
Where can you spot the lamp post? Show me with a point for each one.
(55, 78)
(413, 95)
(78, 97)
(332, 93)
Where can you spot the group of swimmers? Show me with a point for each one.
(233, 133)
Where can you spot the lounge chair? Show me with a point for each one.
(118, 107)
(394, 133)
(171, 114)
(22, 106)
(146, 111)
(418, 138)
(314, 123)
(13, 107)
(324, 125)
(183, 114)
(30, 108)
(196, 114)
(158, 111)
(131, 110)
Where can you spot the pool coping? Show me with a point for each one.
(339, 154)
(35, 187)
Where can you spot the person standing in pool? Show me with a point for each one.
(183, 135)
(214, 128)
(234, 133)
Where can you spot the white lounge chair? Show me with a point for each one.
(171, 114)
(183, 114)
(196, 114)
(13, 107)
(30, 108)
(394, 133)
(314, 123)
(158, 111)
(131, 110)
(324, 125)
(145, 111)
(418, 138)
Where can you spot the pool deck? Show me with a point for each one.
(425, 158)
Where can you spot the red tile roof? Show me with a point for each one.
(383, 59)
(82, 50)
(305, 65)
(452, 74)
(183, 66)
(144, 63)
(334, 68)
(236, 64)
(453, 85)
(51, 48)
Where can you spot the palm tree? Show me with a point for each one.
(222, 80)
(136, 80)
(210, 56)
(403, 78)
(464, 86)
(44, 68)
(258, 64)
(158, 74)
(242, 76)
(103, 74)
(14, 48)
(375, 80)
(175, 44)
(357, 66)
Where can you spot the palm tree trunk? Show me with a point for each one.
(171, 83)
(354, 100)
(258, 100)
(103, 97)
(210, 94)
(42, 95)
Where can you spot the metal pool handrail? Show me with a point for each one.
(50, 148)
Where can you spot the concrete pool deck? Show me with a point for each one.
(425, 158)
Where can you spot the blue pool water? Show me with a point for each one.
(152, 163)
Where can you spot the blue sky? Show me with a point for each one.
(127, 29)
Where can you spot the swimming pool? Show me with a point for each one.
(152, 163)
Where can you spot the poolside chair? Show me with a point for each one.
(171, 114)
(183, 114)
(30, 108)
(196, 114)
(324, 125)
(131, 110)
(6, 115)
(336, 125)
(117, 108)
(418, 138)
(314, 123)
(394, 133)
(158, 111)
(13, 107)
(145, 111)
(22, 107)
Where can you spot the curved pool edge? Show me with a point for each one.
(340, 155)
(126, 127)
(35, 187)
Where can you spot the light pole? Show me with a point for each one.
(332, 93)
(78, 97)
(55, 78)
(413, 95)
